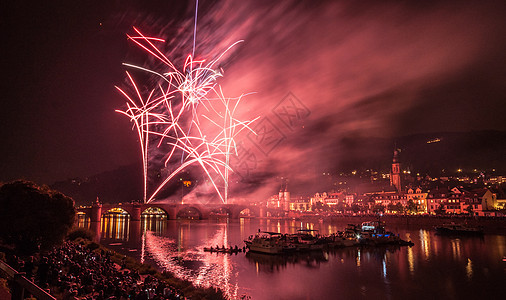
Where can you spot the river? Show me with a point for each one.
(436, 267)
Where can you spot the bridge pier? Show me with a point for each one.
(95, 228)
(172, 213)
(134, 232)
(204, 215)
(96, 212)
(234, 215)
(136, 212)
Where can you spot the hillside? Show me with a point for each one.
(423, 153)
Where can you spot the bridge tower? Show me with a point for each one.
(96, 211)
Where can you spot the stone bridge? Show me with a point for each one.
(172, 210)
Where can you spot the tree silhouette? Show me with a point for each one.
(33, 217)
(377, 208)
(440, 210)
(412, 207)
(470, 210)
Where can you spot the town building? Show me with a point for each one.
(419, 198)
(436, 200)
(300, 203)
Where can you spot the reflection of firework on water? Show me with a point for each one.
(209, 269)
(188, 113)
(218, 268)
(164, 253)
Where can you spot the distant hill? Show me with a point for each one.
(430, 152)
(120, 185)
(424, 153)
(485, 150)
(124, 184)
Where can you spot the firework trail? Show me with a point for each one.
(173, 112)
(140, 112)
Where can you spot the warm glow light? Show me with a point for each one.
(411, 261)
(469, 269)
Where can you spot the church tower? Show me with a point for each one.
(395, 173)
(280, 197)
(286, 199)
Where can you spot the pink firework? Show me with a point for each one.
(173, 111)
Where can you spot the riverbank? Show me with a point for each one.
(83, 269)
(184, 288)
(490, 225)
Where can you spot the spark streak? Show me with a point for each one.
(173, 113)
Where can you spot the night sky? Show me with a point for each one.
(354, 68)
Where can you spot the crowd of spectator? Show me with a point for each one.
(76, 272)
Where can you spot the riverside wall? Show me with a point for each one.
(490, 224)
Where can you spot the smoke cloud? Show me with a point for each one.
(324, 72)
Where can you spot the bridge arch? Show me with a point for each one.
(117, 211)
(189, 212)
(115, 223)
(221, 212)
(154, 210)
(247, 212)
(83, 212)
(174, 211)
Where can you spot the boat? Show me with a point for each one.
(265, 242)
(307, 240)
(458, 229)
(342, 239)
(351, 235)
(223, 250)
(374, 233)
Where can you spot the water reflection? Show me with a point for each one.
(456, 248)
(425, 243)
(154, 223)
(411, 261)
(469, 269)
(271, 263)
(189, 261)
(115, 226)
(457, 267)
(83, 220)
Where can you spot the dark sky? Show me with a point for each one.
(357, 68)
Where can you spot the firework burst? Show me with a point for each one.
(172, 113)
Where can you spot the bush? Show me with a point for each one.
(79, 232)
(92, 246)
(4, 284)
(34, 217)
